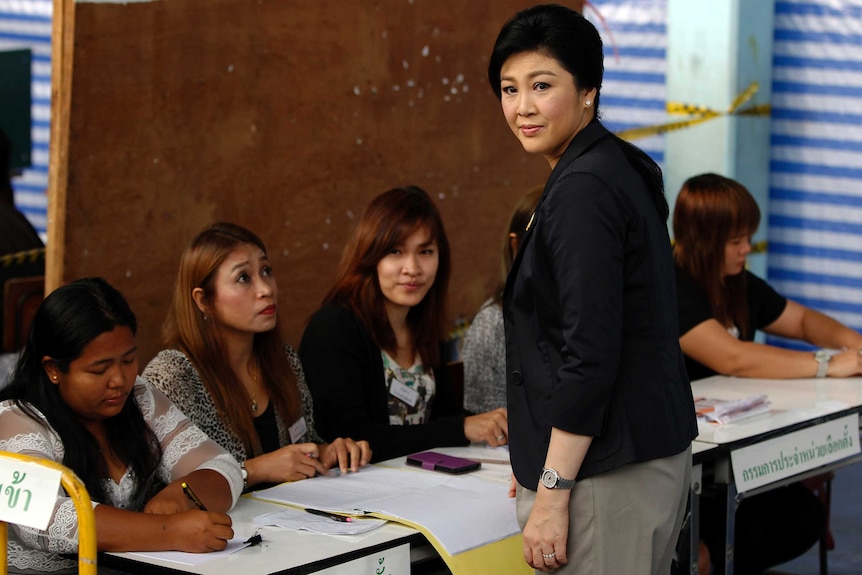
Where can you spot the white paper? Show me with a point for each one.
(298, 520)
(234, 545)
(461, 512)
(29, 492)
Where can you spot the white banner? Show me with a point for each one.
(797, 452)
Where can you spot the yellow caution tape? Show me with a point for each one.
(700, 114)
(18, 258)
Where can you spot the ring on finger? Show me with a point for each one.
(549, 555)
(501, 437)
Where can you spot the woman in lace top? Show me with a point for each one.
(484, 350)
(228, 369)
(75, 399)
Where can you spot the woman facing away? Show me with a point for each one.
(600, 407)
(228, 368)
(75, 398)
(373, 350)
(484, 350)
(721, 306)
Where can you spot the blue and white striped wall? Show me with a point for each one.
(635, 40)
(27, 24)
(815, 197)
(815, 211)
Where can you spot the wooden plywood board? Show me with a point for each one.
(286, 116)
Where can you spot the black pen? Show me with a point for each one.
(333, 516)
(192, 497)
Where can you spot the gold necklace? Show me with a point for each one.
(254, 389)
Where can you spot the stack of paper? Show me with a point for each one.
(462, 512)
(730, 410)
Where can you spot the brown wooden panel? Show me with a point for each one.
(285, 116)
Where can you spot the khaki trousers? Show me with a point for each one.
(625, 521)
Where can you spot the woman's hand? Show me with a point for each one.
(290, 463)
(547, 530)
(346, 454)
(513, 489)
(169, 500)
(492, 427)
(200, 531)
(845, 364)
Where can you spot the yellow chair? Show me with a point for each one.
(83, 506)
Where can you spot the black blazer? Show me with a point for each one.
(592, 343)
(344, 371)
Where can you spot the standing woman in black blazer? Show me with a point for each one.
(600, 408)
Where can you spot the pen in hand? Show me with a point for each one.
(333, 516)
(192, 497)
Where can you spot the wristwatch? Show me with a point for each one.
(822, 357)
(244, 472)
(552, 480)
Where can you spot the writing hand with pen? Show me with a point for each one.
(194, 511)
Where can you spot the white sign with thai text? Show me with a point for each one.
(797, 452)
(394, 561)
(28, 492)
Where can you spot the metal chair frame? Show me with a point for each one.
(87, 545)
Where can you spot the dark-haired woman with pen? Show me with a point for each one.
(75, 398)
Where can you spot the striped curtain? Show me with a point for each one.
(815, 196)
(634, 33)
(27, 24)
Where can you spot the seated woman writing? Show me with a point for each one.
(75, 398)
(721, 306)
(373, 351)
(229, 370)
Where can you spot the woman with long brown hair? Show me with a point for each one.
(722, 305)
(373, 351)
(229, 370)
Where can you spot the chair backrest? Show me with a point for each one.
(87, 544)
(21, 299)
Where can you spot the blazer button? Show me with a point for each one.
(516, 378)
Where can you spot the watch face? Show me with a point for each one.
(821, 355)
(549, 478)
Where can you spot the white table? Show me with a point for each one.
(283, 551)
(796, 405)
(291, 552)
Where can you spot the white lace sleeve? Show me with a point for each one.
(185, 447)
(30, 548)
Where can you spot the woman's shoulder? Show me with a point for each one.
(333, 312)
(169, 361)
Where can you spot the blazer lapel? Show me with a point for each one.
(583, 141)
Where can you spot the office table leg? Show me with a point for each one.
(694, 518)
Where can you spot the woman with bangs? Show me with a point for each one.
(372, 353)
(228, 368)
(722, 305)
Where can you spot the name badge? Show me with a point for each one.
(406, 394)
(298, 430)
